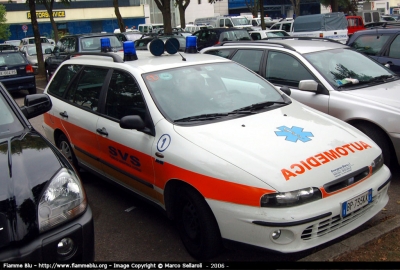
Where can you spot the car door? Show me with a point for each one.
(79, 113)
(125, 153)
(391, 56)
(282, 70)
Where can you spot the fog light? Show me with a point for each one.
(65, 246)
(276, 234)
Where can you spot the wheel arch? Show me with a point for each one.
(355, 122)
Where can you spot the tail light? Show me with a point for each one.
(29, 69)
(321, 34)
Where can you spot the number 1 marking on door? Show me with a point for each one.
(163, 142)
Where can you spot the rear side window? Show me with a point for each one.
(249, 58)
(255, 36)
(85, 91)
(223, 53)
(61, 80)
(275, 27)
(370, 44)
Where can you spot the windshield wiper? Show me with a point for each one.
(257, 106)
(201, 117)
(381, 78)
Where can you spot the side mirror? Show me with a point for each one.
(132, 122)
(35, 105)
(286, 90)
(308, 85)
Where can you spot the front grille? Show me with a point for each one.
(346, 180)
(328, 225)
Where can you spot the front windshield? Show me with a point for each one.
(93, 43)
(207, 89)
(240, 21)
(346, 67)
(32, 49)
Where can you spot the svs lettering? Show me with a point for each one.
(124, 156)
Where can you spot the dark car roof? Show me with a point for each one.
(221, 29)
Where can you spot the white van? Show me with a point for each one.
(224, 21)
(283, 24)
(150, 28)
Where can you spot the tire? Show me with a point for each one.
(196, 224)
(65, 147)
(32, 91)
(380, 138)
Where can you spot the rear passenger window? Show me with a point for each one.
(85, 92)
(249, 58)
(124, 97)
(61, 80)
(395, 48)
(223, 53)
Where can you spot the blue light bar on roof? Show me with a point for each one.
(105, 45)
(191, 44)
(129, 51)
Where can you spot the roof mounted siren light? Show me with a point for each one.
(191, 44)
(105, 45)
(129, 51)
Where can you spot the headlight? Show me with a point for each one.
(291, 198)
(63, 200)
(377, 163)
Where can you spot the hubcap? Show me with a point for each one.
(66, 151)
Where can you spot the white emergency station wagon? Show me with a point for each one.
(219, 148)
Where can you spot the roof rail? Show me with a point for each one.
(256, 43)
(304, 38)
(116, 58)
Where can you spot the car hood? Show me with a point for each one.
(387, 94)
(287, 148)
(27, 163)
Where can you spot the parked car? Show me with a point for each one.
(13, 42)
(31, 40)
(16, 73)
(331, 78)
(211, 36)
(383, 45)
(283, 24)
(44, 212)
(70, 44)
(265, 34)
(131, 35)
(8, 47)
(30, 53)
(219, 149)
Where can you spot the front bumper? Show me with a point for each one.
(301, 227)
(44, 247)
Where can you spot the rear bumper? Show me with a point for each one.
(44, 247)
(19, 83)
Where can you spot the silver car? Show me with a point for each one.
(331, 78)
(29, 50)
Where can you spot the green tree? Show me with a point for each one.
(4, 28)
(48, 4)
(165, 7)
(182, 5)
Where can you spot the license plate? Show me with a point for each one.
(8, 72)
(356, 203)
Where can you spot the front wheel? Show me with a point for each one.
(66, 150)
(379, 137)
(196, 224)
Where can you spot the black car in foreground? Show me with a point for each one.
(15, 71)
(211, 36)
(44, 212)
(381, 44)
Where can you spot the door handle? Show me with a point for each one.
(64, 114)
(102, 131)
